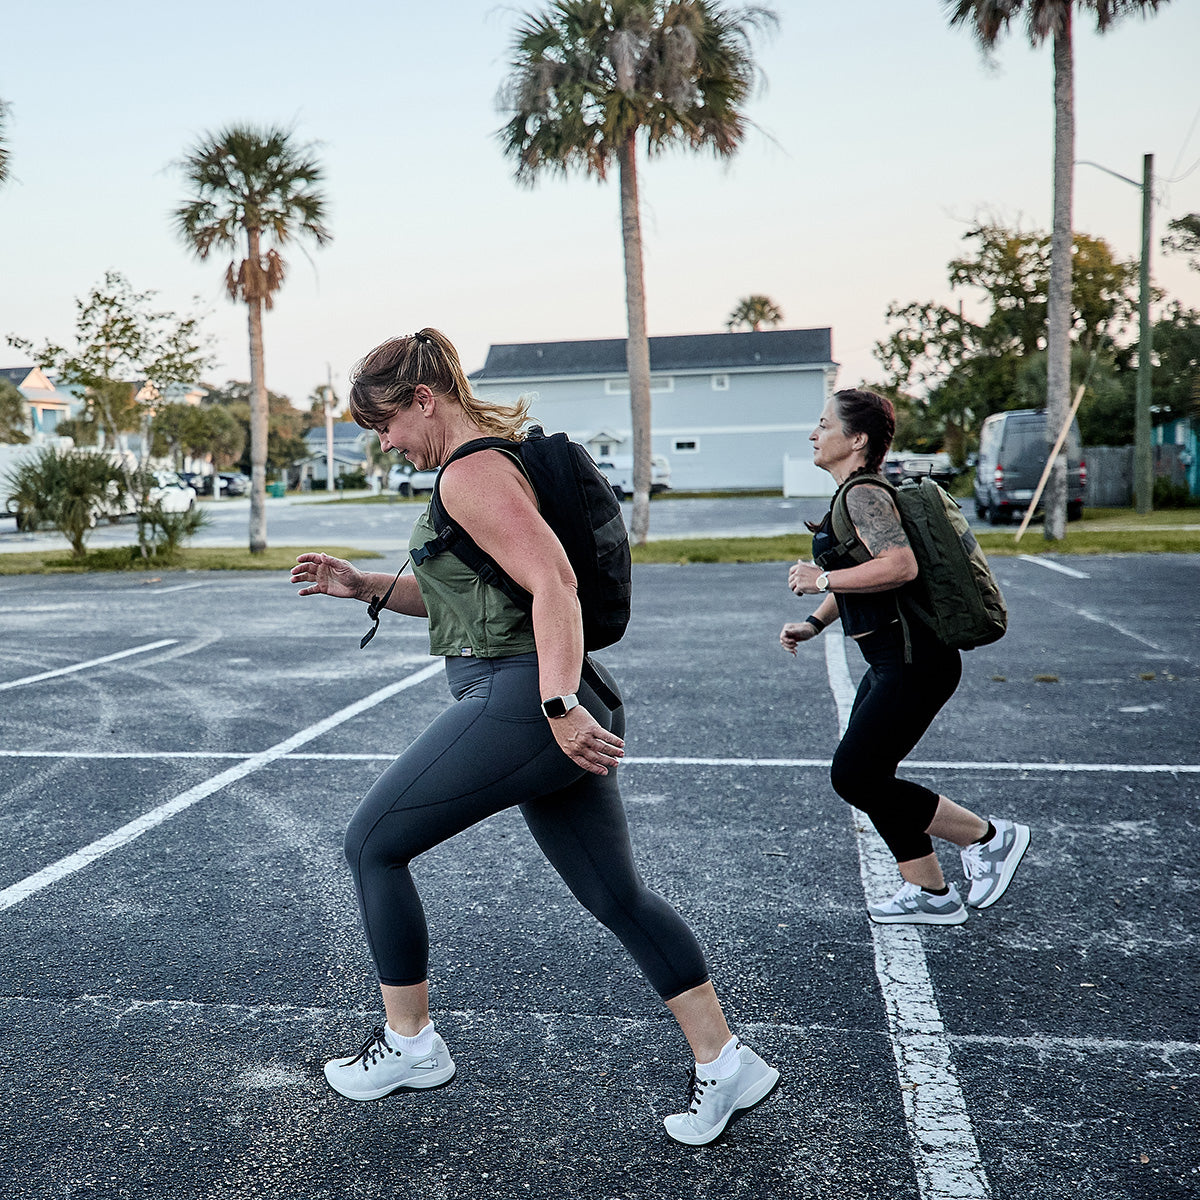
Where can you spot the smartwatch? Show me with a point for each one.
(559, 706)
(821, 583)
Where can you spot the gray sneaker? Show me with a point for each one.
(375, 1069)
(712, 1102)
(991, 867)
(912, 905)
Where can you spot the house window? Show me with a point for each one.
(620, 387)
(604, 449)
(720, 383)
(686, 446)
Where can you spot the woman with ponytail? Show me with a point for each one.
(527, 730)
(900, 695)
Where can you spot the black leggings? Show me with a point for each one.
(895, 705)
(491, 750)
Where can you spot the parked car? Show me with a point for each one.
(234, 483)
(167, 489)
(408, 482)
(619, 473)
(1012, 456)
(900, 466)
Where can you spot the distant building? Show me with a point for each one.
(47, 405)
(349, 453)
(728, 410)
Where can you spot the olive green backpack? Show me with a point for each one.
(955, 593)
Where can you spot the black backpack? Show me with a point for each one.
(955, 593)
(579, 505)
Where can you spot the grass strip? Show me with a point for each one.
(126, 558)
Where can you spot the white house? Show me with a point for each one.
(727, 409)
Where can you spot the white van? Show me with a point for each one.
(619, 473)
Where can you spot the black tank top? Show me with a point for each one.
(861, 612)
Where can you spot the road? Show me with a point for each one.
(180, 756)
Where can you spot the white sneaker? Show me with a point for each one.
(375, 1069)
(712, 1102)
(991, 867)
(912, 905)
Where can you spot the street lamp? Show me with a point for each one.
(1143, 467)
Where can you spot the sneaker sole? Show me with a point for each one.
(1010, 869)
(955, 918)
(434, 1079)
(747, 1100)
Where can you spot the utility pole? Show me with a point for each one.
(1143, 454)
(1143, 462)
(328, 428)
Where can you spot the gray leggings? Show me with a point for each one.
(491, 750)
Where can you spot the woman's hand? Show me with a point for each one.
(795, 632)
(586, 742)
(802, 578)
(327, 576)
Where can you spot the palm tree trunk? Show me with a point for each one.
(258, 417)
(637, 346)
(1058, 313)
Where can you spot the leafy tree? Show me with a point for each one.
(14, 417)
(286, 425)
(589, 80)
(65, 488)
(1184, 238)
(754, 311)
(962, 368)
(253, 190)
(124, 347)
(1176, 380)
(1052, 20)
(1106, 410)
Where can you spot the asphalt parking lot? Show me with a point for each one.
(180, 755)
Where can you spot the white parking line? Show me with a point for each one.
(1051, 565)
(941, 1137)
(634, 760)
(127, 833)
(83, 666)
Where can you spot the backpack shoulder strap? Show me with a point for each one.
(451, 535)
(847, 541)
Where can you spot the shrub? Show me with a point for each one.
(65, 489)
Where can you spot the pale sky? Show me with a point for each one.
(881, 136)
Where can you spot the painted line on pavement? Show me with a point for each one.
(83, 666)
(127, 833)
(941, 1136)
(1051, 565)
(1004, 768)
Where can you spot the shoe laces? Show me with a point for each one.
(375, 1047)
(972, 857)
(696, 1087)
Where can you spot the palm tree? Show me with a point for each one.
(753, 311)
(3, 142)
(253, 191)
(588, 80)
(1052, 19)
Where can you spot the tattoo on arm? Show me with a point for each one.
(876, 519)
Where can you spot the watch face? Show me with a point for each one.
(554, 707)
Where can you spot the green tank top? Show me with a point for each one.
(467, 617)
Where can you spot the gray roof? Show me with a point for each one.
(343, 432)
(686, 352)
(15, 375)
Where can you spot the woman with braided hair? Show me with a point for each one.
(901, 693)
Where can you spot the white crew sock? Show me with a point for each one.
(724, 1065)
(419, 1045)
